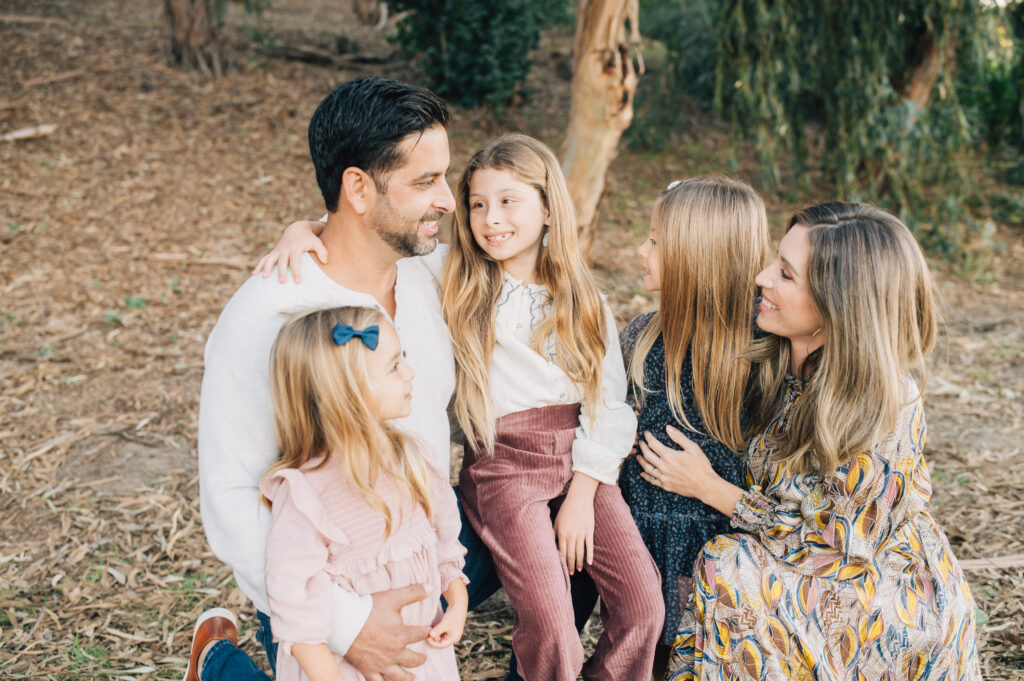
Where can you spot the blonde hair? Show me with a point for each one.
(473, 283)
(870, 283)
(712, 236)
(325, 405)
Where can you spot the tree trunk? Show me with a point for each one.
(922, 77)
(372, 13)
(925, 70)
(603, 82)
(192, 36)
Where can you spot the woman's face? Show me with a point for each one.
(651, 259)
(786, 307)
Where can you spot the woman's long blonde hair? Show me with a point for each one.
(712, 237)
(473, 282)
(325, 405)
(871, 285)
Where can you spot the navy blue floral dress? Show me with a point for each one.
(673, 527)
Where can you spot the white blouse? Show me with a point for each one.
(521, 379)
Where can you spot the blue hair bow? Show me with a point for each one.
(343, 333)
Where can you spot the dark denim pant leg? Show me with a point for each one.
(479, 568)
(227, 662)
(266, 638)
(483, 582)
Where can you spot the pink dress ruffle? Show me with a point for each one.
(323, 532)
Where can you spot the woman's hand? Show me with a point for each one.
(298, 238)
(686, 471)
(574, 524)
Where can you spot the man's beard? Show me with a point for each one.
(406, 243)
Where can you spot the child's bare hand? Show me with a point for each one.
(574, 524)
(574, 528)
(448, 631)
(300, 237)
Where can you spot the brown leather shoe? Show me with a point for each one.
(214, 624)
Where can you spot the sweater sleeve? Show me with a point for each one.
(607, 430)
(237, 443)
(844, 519)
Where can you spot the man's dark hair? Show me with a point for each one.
(361, 123)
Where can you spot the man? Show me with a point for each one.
(380, 149)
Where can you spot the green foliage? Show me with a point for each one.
(780, 68)
(475, 51)
(679, 58)
(994, 98)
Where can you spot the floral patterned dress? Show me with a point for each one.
(842, 577)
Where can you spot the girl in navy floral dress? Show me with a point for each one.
(708, 239)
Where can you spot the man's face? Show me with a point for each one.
(417, 195)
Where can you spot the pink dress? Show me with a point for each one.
(323, 531)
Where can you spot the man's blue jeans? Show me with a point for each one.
(226, 662)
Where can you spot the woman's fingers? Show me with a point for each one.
(650, 472)
(651, 448)
(644, 461)
(677, 436)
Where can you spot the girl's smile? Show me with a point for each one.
(507, 218)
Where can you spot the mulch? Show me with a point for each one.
(126, 228)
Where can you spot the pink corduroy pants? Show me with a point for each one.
(511, 497)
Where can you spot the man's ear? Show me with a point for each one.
(358, 189)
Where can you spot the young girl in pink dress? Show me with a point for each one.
(353, 501)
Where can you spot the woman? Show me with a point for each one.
(844, 573)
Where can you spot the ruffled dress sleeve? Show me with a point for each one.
(451, 555)
(835, 526)
(298, 587)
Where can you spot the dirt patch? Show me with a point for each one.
(129, 468)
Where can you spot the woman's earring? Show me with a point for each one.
(544, 239)
(816, 332)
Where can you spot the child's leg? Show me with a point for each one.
(632, 607)
(506, 495)
(544, 638)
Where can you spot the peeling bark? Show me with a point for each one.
(604, 80)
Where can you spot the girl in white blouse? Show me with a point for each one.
(540, 393)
